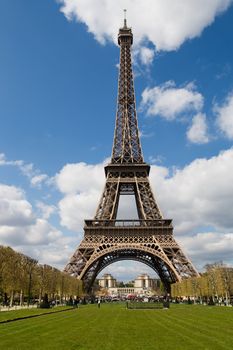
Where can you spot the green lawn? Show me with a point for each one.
(14, 314)
(114, 327)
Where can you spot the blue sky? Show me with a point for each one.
(58, 89)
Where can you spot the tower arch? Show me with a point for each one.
(151, 257)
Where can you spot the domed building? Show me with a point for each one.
(143, 285)
(107, 281)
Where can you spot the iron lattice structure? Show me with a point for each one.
(150, 238)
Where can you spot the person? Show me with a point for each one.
(98, 303)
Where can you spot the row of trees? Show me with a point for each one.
(215, 284)
(23, 279)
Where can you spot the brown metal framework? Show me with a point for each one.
(148, 239)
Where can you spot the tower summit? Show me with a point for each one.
(149, 239)
(126, 145)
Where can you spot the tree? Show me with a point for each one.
(215, 283)
(22, 275)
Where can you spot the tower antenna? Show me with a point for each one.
(125, 23)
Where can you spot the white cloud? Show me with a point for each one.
(37, 180)
(2, 159)
(197, 133)
(146, 55)
(27, 169)
(14, 208)
(41, 232)
(45, 210)
(18, 223)
(213, 246)
(169, 101)
(145, 135)
(58, 253)
(33, 235)
(200, 194)
(166, 24)
(82, 184)
(80, 177)
(225, 116)
(157, 159)
(48, 245)
(74, 208)
(38, 233)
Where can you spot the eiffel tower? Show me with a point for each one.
(150, 238)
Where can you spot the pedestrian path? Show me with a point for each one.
(17, 307)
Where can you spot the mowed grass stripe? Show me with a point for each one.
(198, 321)
(170, 331)
(198, 314)
(18, 318)
(43, 333)
(62, 331)
(217, 320)
(155, 333)
(9, 315)
(194, 335)
(207, 322)
(114, 327)
(29, 324)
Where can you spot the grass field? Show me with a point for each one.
(114, 327)
(11, 315)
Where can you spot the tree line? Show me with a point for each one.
(215, 284)
(24, 280)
